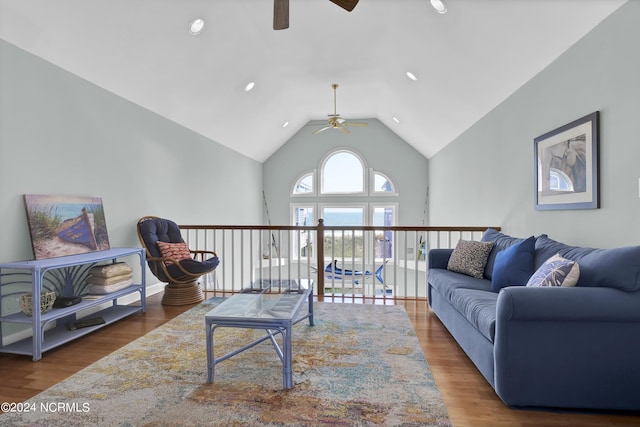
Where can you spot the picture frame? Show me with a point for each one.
(65, 225)
(566, 166)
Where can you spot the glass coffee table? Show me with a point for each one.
(272, 305)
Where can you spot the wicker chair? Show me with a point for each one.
(172, 262)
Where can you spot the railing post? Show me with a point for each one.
(320, 255)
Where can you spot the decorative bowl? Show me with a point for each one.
(47, 298)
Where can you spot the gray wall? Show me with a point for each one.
(380, 148)
(61, 135)
(486, 175)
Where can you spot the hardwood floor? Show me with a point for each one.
(469, 398)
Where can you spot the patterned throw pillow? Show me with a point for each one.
(470, 257)
(177, 251)
(556, 271)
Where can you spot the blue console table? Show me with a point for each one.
(64, 273)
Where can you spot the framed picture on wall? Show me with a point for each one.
(65, 225)
(566, 166)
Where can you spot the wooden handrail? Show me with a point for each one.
(321, 229)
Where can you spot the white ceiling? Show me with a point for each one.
(467, 61)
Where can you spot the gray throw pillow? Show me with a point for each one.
(556, 271)
(470, 257)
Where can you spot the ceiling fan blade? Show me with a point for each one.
(355, 123)
(280, 14)
(344, 130)
(315, 132)
(348, 5)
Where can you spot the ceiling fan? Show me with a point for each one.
(281, 11)
(335, 121)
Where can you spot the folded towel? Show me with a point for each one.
(105, 281)
(102, 289)
(111, 270)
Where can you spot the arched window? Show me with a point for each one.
(304, 185)
(342, 173)
(382, 183)
(344, 193)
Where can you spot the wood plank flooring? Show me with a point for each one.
(469, 398)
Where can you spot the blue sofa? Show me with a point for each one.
(566, 347)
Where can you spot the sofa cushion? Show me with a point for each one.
(613, 268)
(470, 257)
(514, 265)
(500, 242)
(556, 271)
(479, 308)
(446, 281)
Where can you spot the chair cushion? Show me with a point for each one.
(159, 229)
(514, 265)
(470, 257)
(193, 266)
(174, 251)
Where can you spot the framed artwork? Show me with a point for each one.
(65, 225)
(566, 166)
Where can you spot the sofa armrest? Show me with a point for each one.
(568, 347)
(439, 258)
(567, 304)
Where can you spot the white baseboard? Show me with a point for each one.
(125, 300)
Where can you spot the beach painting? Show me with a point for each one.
(65, 225)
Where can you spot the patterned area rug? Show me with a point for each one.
(359, 365)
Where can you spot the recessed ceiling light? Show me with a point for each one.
(411, 76)
(395, 119)
(439, 6)
(285, 124)
(196, 27)
(249, 86)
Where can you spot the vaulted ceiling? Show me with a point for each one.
(466, 61)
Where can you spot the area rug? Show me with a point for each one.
(359, 365)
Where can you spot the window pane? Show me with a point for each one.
(382, 184)
(343, 173)
(384, 239)
(303, 216)
(343, 216)
(303, 242)
(304, 185)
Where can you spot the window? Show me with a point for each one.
(303, 242)
(382, 184)
(342, 172)
(304, 185)
(348, 195)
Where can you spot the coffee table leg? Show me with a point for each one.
(287, 360)
(210, 353)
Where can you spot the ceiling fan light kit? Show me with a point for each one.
(281, 11)
(335, 121)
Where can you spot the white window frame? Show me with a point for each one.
(314, 186)
(372, 184)
(365, 183)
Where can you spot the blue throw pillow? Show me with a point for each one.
(514, 265)
(500, 242)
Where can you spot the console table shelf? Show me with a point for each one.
(74, 267)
